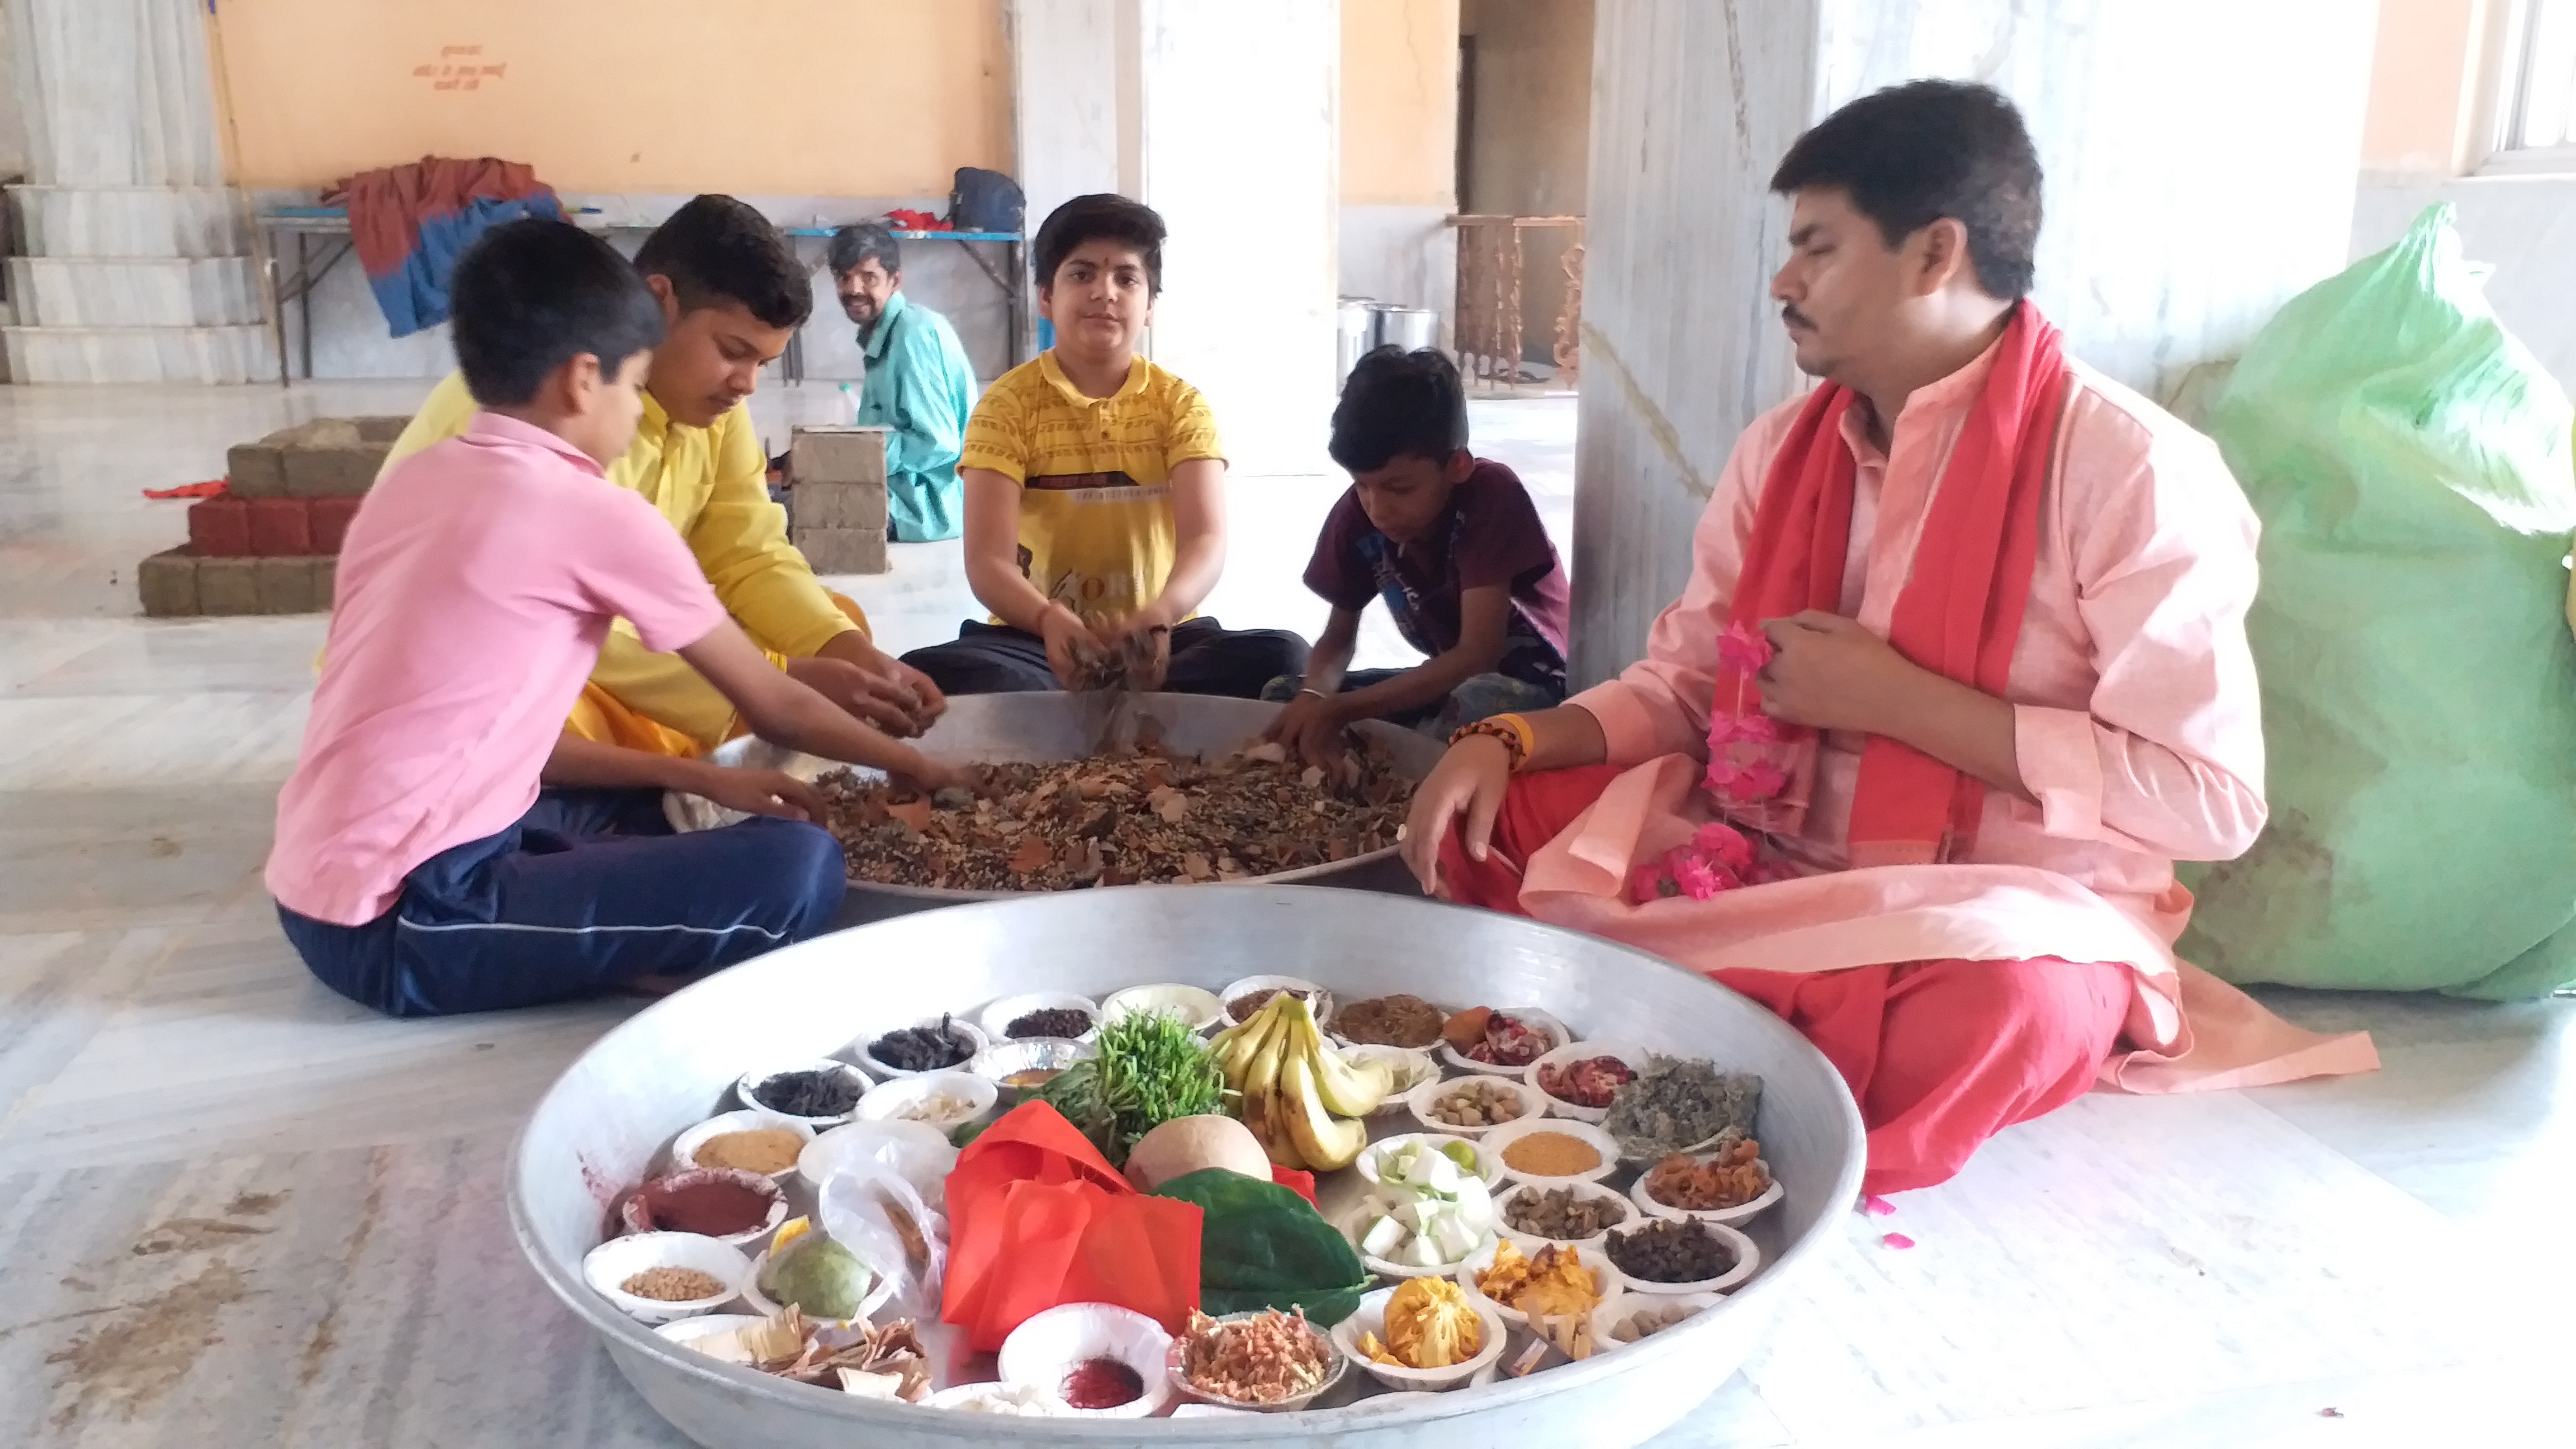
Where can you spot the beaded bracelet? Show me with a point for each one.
(1511, 729)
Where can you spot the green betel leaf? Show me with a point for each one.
(1263, 1246)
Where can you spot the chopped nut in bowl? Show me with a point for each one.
(1580, 1212)
(1728, 1185)
(1472, 1106)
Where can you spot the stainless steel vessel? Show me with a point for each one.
(1050, 726)
(606, 1119)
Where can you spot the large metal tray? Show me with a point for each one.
(605, 1120)
(1051, 725)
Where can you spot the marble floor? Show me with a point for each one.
(239, 1211)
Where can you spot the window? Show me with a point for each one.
(2536, 88)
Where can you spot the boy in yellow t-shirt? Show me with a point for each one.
(1095, 491)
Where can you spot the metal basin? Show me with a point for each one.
(603, 1122)
(1045, 727)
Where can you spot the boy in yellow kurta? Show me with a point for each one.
(732, 295)
(1095, 491)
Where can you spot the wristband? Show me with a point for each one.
(1301, 694)
(1514, 731)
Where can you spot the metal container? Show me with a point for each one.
(1053, 725)
(1411, 328)
(1357, 334)
(601, 1124)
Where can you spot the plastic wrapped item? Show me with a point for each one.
(872, 1208)
(2409, 461)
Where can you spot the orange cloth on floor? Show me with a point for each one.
(602, 718)
(1038, 1218)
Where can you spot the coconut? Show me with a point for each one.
(1193, 1144)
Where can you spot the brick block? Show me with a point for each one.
(285, 585)
(837, 455)
(168, 583)
(281, 527)
(844, 550)
(333, 469)
(219, 528)
(380, 430)
(331, 522)
(326, 583)
(838, 505)
(228, 586)
(257, 470)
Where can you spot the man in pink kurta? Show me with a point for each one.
(1990, 968)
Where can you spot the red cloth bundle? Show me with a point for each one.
(1037, 1218)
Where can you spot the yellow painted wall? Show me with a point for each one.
(795, 97)
(2425, 116)
(1399, 102)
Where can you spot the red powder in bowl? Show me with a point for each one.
(693, 1202)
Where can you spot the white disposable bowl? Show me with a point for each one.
(1553, 1028)
(859, 1079)
(1582, 1051)
(1040, 1352)
(1609, 1315)
(1175, 1365)
(1419, 1100)
(1318, 1000)
(967, 1031)
(1355, 1223)
(688, 1331)
(684, 1148)
(1741, 1212)
(1605, 1276)
(1049, 1406)
(996, 1019)
(1371, 1318)
(1498, 1142)
(1488, 1166)
(920, 1151)
(879, 1292)
(618, 1259)
(1406, 1067)
(1346, 1042)
(897, 1100)
(1581, 1190)
(1196, 1005)
(1748, 1261)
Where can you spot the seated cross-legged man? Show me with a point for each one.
(445, 844)
(732, 293)
(1960, 673)
(1095, 494)
(1453, 545)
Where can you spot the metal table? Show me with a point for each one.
(331, 224)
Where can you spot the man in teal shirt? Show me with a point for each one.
(919, 384)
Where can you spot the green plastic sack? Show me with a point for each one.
(2410, 463)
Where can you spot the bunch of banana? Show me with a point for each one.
(1300, 1097)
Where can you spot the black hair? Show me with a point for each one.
(716, 250)
(1102, 216)
(1913, 154)
(1398, 402)
(852, 245)
(533, 294)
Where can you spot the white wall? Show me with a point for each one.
(2523, 226)
(2172, 231)
(1402, 254)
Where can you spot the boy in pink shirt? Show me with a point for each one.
(443, 846)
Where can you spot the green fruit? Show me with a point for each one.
(1461, 1153)
(819, 1276)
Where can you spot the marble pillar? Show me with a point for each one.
(1226, 119)
(2201, 158)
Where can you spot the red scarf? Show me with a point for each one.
(1959, 614)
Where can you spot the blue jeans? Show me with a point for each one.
(588, 891)
(1479, 697)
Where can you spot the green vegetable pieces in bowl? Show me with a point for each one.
(1263, 1246)
(1146, 1069)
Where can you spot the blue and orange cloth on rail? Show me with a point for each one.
(410, 223)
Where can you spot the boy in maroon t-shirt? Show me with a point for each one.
(1453, 545)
